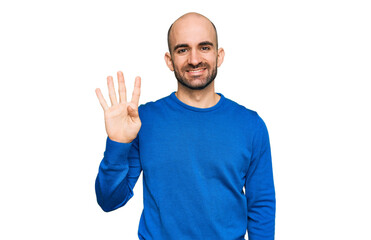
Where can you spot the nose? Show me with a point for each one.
(194, 58)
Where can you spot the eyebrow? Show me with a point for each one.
(206, 43)
(183, 45)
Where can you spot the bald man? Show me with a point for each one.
(206, 161)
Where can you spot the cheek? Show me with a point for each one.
(178, 65)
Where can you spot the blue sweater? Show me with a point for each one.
(207, 172)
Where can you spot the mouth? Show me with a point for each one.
(197, 71)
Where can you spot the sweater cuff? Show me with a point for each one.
(116, 152)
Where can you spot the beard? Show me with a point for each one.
(212, 72)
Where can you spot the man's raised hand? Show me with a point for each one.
(121, 119)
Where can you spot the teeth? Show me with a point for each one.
(196, 70)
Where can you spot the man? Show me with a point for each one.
(206, 162)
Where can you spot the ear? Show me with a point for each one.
(220, 56)
(168, 61)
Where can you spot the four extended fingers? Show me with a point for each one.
(122, 91)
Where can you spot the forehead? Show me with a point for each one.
(192, 30)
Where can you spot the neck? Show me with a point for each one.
(204, 98)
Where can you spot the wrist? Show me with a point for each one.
(120, 140)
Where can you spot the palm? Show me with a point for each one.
(121, 119)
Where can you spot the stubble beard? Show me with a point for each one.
(209, 79)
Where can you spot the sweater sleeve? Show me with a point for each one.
(118, 172)
(259, 186)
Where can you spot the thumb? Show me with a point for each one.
(133, 112)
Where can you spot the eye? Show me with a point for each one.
(182, 50)
(205, 48)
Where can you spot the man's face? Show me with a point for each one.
(194, 55)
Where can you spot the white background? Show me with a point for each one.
(304, 66)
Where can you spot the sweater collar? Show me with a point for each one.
(174, 98)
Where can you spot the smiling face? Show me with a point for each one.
(193, 56)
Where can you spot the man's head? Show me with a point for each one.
(193, 51)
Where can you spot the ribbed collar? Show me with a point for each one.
(221, 101)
